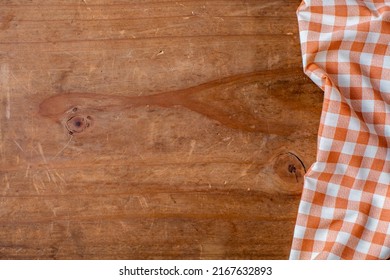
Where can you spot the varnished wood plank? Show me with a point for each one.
(191, 125)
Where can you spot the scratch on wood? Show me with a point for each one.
(142, 201)
(165, 231)
(27, 170)
(6, 183)
(18, 81)
(48, 175)
(53, 178)
(66, 145)
(201, 251)
(59, 176)
(41, 152)
(4, 86)
(51, 207)
(193, 144)
(35, 185)
(17, 144)
(151, 224)
(8, 106)
(68, 234)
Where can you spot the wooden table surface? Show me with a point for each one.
(152, 129)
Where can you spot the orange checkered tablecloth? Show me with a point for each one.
(344, 211)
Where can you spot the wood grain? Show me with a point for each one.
(152, 130)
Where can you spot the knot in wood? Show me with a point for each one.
(77, 124)
(290, 169)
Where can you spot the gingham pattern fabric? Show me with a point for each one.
(344, 211)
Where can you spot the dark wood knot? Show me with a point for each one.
(290, 169)
(77, 124)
